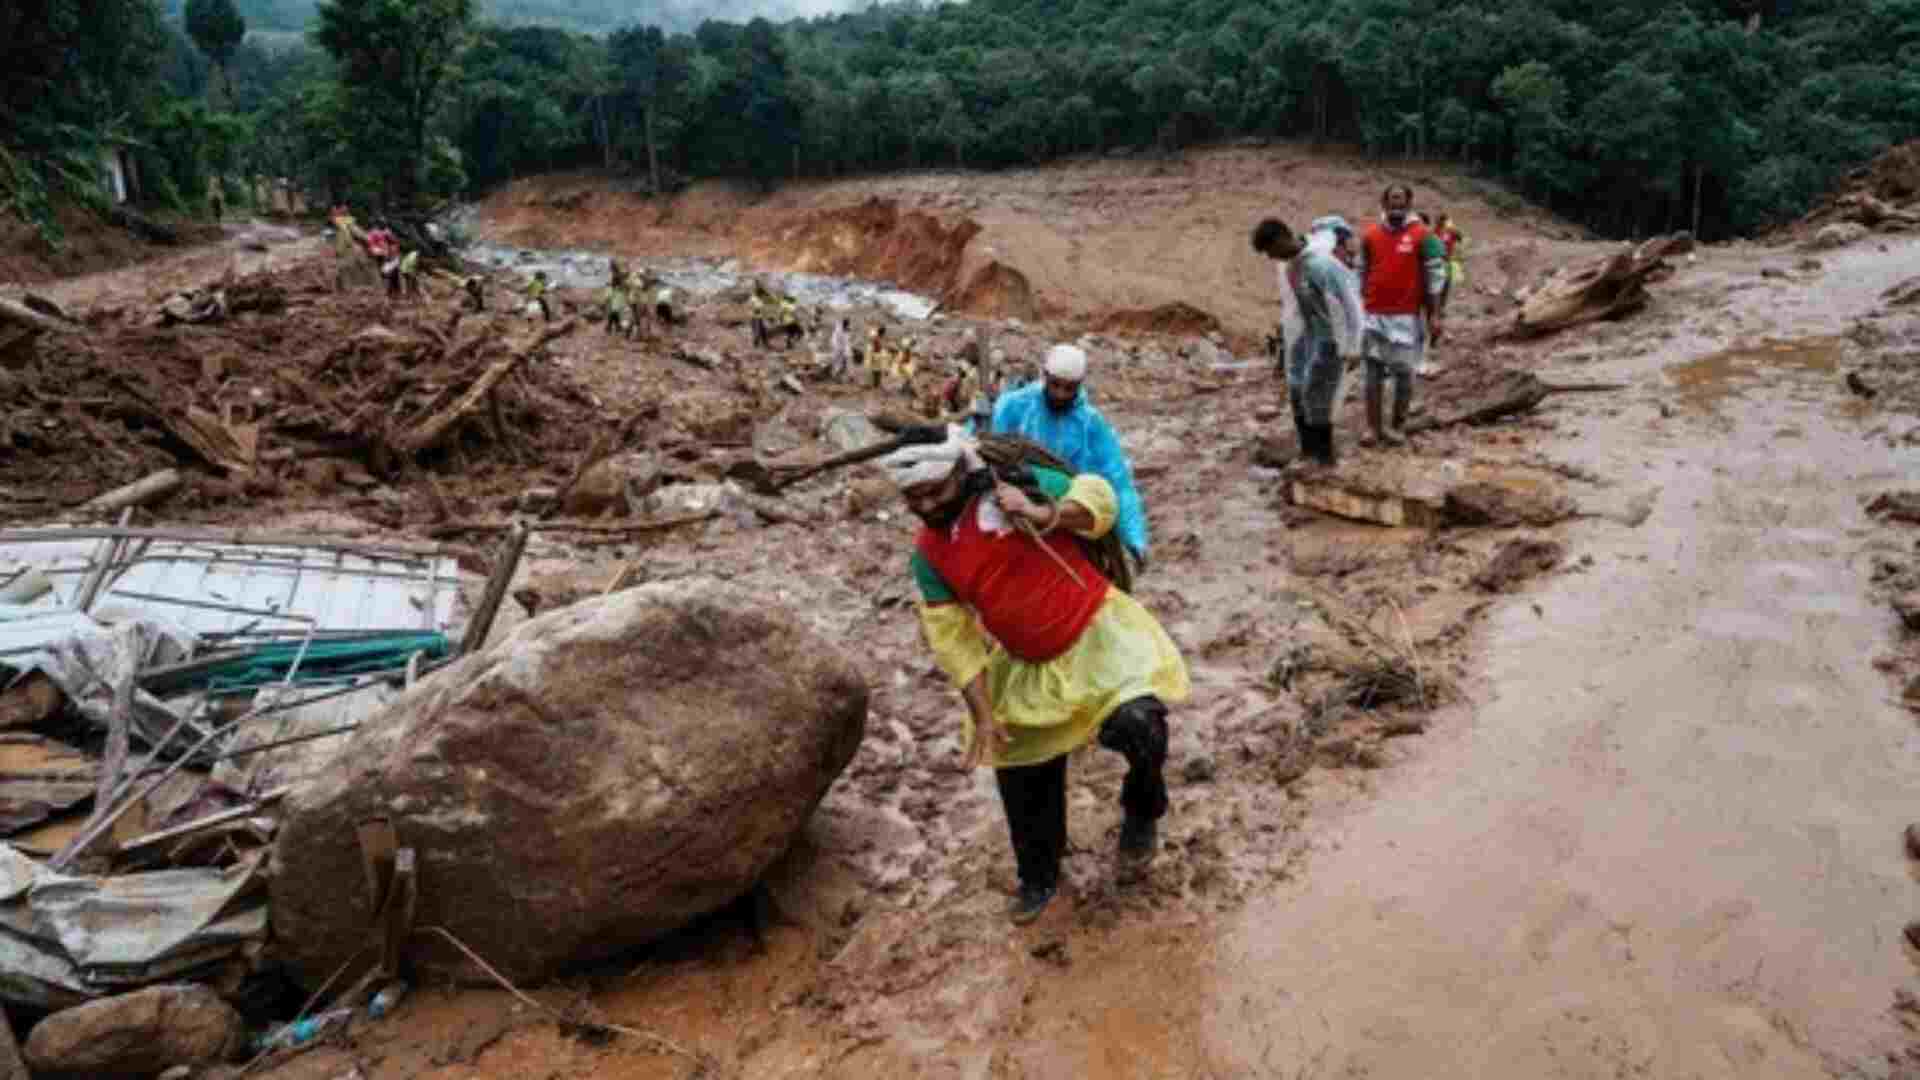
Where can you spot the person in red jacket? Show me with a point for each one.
(1047, 655)
(1403, 278)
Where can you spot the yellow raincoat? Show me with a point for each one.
(1056, 707)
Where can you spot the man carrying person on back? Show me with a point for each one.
(1046, 654)
(1402, 268)
(1057, 414)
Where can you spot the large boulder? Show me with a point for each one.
(599, 777)
(141, 1032)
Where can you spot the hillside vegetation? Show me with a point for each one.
(1631, 116)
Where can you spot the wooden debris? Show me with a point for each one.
(44, 778)
(33, 699)
(616, 530)
(1604, 289)
(1515, 392)
(435, 427)
(175, 832)
(13, 311)
(142, 492)
(502, 576)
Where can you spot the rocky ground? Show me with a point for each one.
(1327, 655)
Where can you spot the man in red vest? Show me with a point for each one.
(1047, 654)
(1403, 278)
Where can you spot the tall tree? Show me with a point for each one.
(395, 57)
(217, 30)
(652, 71)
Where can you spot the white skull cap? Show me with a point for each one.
(1067, 363)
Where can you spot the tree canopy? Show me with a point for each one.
(1633, 116)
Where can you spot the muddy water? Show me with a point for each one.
(1666, 843)
(576, 269)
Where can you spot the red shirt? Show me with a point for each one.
(1023, 598)
(1393, 285)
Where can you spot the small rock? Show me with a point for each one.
(847, 430)
(534, 498)
(145, 1031)
(1913, 934)
(178, 1072)
(1907, 606)
(1052, 952)
(865, 494)
(1837, 235)
(1773, 272)
(1809, 264)
(1913, 840)
(1266, 412)
(1199, 770)
(602, 489)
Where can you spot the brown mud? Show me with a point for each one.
(1636, 814)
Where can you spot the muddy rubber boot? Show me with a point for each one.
(1375, 390)
(1138, 839)
(1030, 903)
(1402, 401)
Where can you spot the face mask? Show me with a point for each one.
(1397, 218)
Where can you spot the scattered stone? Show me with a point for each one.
(607, 772)
(1860, 386)
(1277, 450)
(1835, 236)
(1907, 606)
(1810, 265)
(1912, 835)
(1501, 506)
(145, 1031)
(847, 430)
(1773, 272)
(1266, 412)
(868, 493)
(1517, 561)
(1901, 506)
(1913, 934)
(1199, 770)
(1052, 952)
(601, 490)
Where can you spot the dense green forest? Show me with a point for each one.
(1631, 116)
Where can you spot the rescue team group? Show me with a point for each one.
(1048, 655)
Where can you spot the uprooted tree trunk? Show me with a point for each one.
(1512, 392)
(1604, 289)
(19, 314)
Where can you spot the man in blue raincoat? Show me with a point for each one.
(1055, 413)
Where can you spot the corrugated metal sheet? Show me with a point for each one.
(214, 588)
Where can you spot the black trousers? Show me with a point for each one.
(1035, 796)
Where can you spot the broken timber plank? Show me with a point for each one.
(435, 427)
(1516, 393)
(146, 490)
(15, 312)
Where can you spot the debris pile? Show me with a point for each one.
(258, 379)
(1882, 197)
(162, 689)
(1606, 288)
